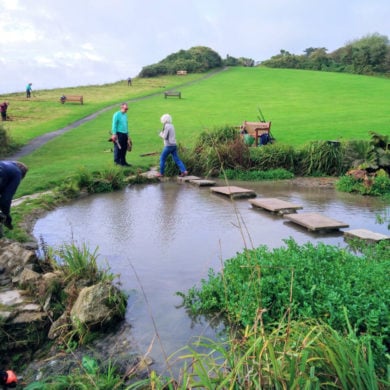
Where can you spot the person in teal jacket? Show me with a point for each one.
(120, 135)
(28, 90)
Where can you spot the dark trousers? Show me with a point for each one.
(120, 151)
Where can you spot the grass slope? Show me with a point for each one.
(302, 105)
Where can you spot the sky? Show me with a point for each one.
(55, 44)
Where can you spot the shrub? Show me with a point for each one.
(378, 185)
(322, 158)
(273, 156)
(221, 148)
(254, 175)
(7, 146)
(301, 280)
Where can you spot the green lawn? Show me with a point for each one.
(302, 105)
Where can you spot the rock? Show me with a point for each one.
(59, 327)
(27, 276)
(92, 306)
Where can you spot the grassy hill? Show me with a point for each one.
(302, 105)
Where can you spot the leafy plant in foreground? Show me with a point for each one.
(310, 281)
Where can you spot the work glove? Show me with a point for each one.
(8, 378)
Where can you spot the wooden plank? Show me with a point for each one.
(366, 235)
(202, 182)
(187, 178)
(315, 221)
(275, 205)
(234, 192)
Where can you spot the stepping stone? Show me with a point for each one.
(234, 192)
(187, 178)
(275, 205)
(315, 221)
(203, 182)
(366, 235)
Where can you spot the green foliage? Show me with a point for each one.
(80, 263)
(241, 61)
(92, 374)
(254, 175)
(273, 156)
(7, 145)
(301, 280)
(294, 355)
(222, 148)
(368, 55)
(378, 185)
(107, 180)
(198, 59)
(322, 158)
(358, 153)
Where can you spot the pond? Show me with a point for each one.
(163, 238)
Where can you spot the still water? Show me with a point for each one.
(163, 238)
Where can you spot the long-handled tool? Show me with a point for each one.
(262, 119)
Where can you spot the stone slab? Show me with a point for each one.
(234, 192)
(274, 205)
(366, 235)
(187, 178)
(203, 182)
(315, 221)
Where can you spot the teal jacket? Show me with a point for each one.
(119, 123)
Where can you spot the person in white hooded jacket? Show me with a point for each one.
(169, 136)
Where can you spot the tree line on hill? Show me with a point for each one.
(198, 59)
(368, 55)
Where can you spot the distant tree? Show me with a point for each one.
(368, 55)
(242, 61)
(198, 59)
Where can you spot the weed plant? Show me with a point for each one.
(254, 175)
(273, 156)
(375, 186)
(302, 279)
(294, 355)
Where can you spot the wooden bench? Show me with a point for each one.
(256, 129)
(181, 72)
(71, 98)
(172, 93)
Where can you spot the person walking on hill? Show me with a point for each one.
(129, 81)
(11, 174)
(169, 136)
(3, 110)
(120, 135)
(28, 90)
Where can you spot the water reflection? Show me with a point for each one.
(165, 237)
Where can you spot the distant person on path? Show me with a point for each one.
(129, 81)
(120, 135)
(3, 110)
(11, 174)
(28, 90)
(169, 136)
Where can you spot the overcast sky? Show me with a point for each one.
(59, 43)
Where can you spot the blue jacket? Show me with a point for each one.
(10, 177)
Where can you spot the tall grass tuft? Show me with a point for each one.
(322, 158)
(294, 355)
(79, 262)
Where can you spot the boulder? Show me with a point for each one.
(95, 306)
